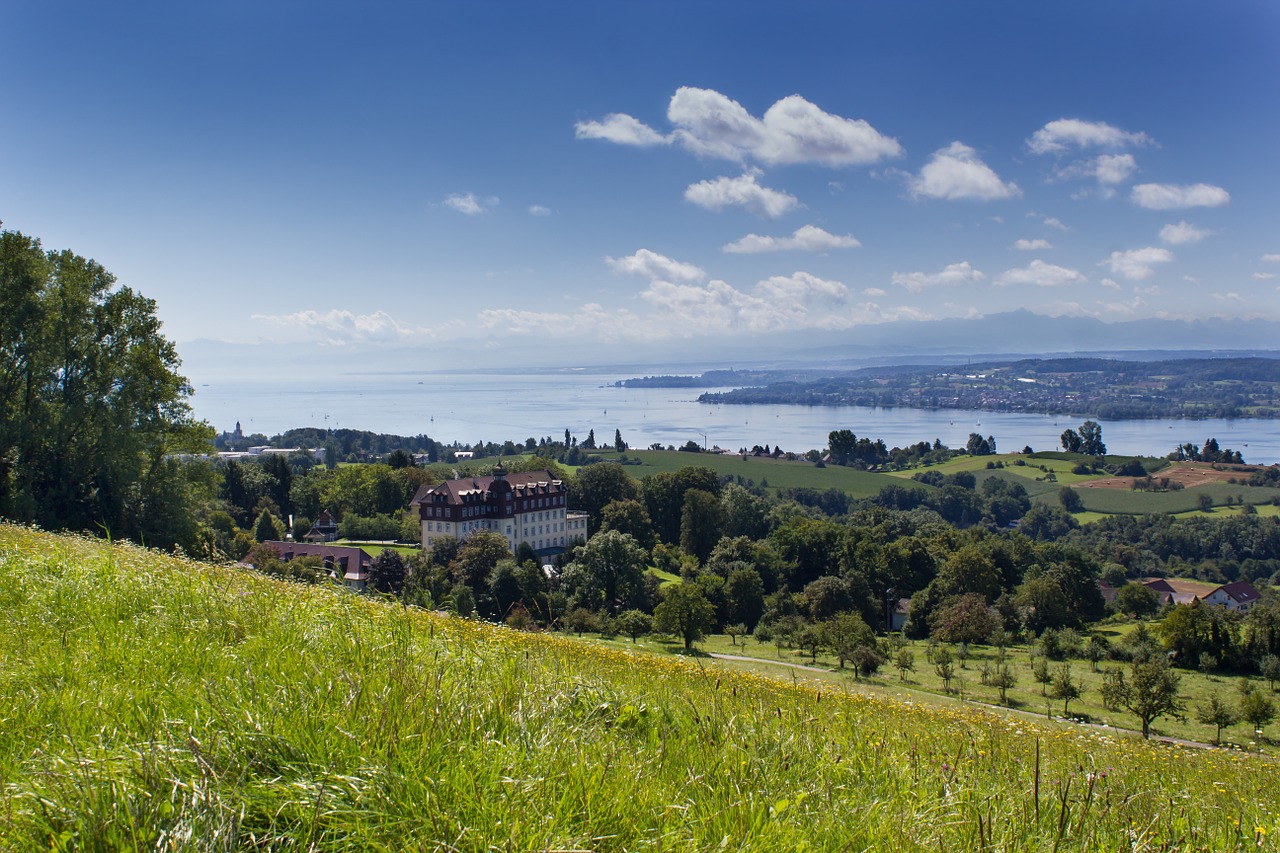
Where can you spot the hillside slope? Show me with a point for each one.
(153, 702)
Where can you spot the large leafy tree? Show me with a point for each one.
(685, 612)
(92, 407)
(608, 572)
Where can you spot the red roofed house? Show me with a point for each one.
(529, 507)
(345, 563)
(1239, 595)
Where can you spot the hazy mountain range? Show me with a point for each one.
(1014, 333)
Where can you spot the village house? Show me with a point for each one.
(1239, 596)
(343, 562)
(528, 507)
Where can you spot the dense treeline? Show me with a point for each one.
(93, 411)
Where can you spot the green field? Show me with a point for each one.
(1129, 502)
(778, 473)
(151, 702)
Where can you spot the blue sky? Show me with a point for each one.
(633, 174)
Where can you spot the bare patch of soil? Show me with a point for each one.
(1189, 474)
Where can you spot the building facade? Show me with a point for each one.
(529, 507)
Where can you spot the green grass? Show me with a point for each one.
(1129, 502)
(151, 702)
(373, 549)
(1026, 696)
(779, 473)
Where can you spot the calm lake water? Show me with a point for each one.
(499, 406)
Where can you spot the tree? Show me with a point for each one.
(580, 620)
(618, 444)
(904, 661)
(1269, 667)
(1152, 692)
(590, 442)
(630, 517)
(826, 597)
(1091, 439)
(1071, 441)
(979, 446)
(1040, 672)
(596, 486)
(267, 528)
(1002, 680)
(387, 572)
(479, 554)
(635, 623)
(1064, 687)
(963, 619)
(744, 596)
(684, 612)
(1257, 708)
(608, 572)
(845, 635)
(945, 668)
(1137, 600)
(91, 403)
(701, 520)
(1216, 712)
(1070, 499)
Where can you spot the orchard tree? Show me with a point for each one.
(1217, 713)
(1152, 692)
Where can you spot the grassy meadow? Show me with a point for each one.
(153, 702)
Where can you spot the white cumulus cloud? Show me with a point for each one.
(1040, 274)
(469, 204)
(742, 191)
(807, 238)
(655, 267)
(1066, 133)
(1032, 245)
(1107, 169)
(539, 210)
(620, 128)
(1183, 232)
(1263, 276)
(1136, 264)
(1174, 197)
(953, 274)
(1271, 259)
(956, 172)
(793, 130)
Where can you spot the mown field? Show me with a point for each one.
(778, 473)
(151, 702)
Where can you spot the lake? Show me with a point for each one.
(496, 406)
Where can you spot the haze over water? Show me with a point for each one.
(498, 406)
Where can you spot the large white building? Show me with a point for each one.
(528, 507)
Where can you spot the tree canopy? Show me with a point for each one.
(92, 407)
